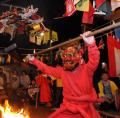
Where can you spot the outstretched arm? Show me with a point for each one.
(54, 71)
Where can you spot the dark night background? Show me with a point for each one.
(50, 10)
(67, 27)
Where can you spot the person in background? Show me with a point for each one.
(45, 91)
(4, 77)
(79, 94)
(24, 80)
(107, 91)
(32, 91)
(23, 89)
(3, 94)
(58, 95)
(14, 86)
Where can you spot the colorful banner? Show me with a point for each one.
(113, 56)
(99, 3)
(42, 38)
(83, 5)
(117, 33)
(105, 6)
(70, 7)
(54, 36)
(88, 16)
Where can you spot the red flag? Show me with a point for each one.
(99, 3)
(70, 8)
(113, 56)
(88, 16)
(104, 6)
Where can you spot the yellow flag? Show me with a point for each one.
(83, 5)
(32, 36)
(36, 27)
(54, 36)
(47, 35)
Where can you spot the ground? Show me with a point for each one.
(39, 112)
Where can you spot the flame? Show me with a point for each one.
(7, 112)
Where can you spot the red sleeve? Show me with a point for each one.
(93, 57)
(49, 70)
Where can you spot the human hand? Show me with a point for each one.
(29, 57)
(87, 40)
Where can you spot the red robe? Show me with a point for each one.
(45, 94)
(78, 91)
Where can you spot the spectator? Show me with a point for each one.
(24, 80)
(58, 96)
(45, 91)
(3, 76)
(14, 86)
(107, 91)
(3, 95)
(32, 91)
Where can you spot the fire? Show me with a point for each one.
(7, 112)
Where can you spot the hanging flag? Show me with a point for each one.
(113, 56)
(32, 37)
(104, 6)
(83, 5)
(70, 7)
(117, 33)
(99, 3)
(54, 36)
(88, 16)
(41, 38)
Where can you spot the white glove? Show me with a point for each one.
(30, 57)
(87, 40)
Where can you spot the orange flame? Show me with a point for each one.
(7, 112)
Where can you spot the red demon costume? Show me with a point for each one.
(78, 91)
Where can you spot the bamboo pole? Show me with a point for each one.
(115, 25)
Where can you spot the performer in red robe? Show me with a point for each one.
(45, 92)
(78, 91)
